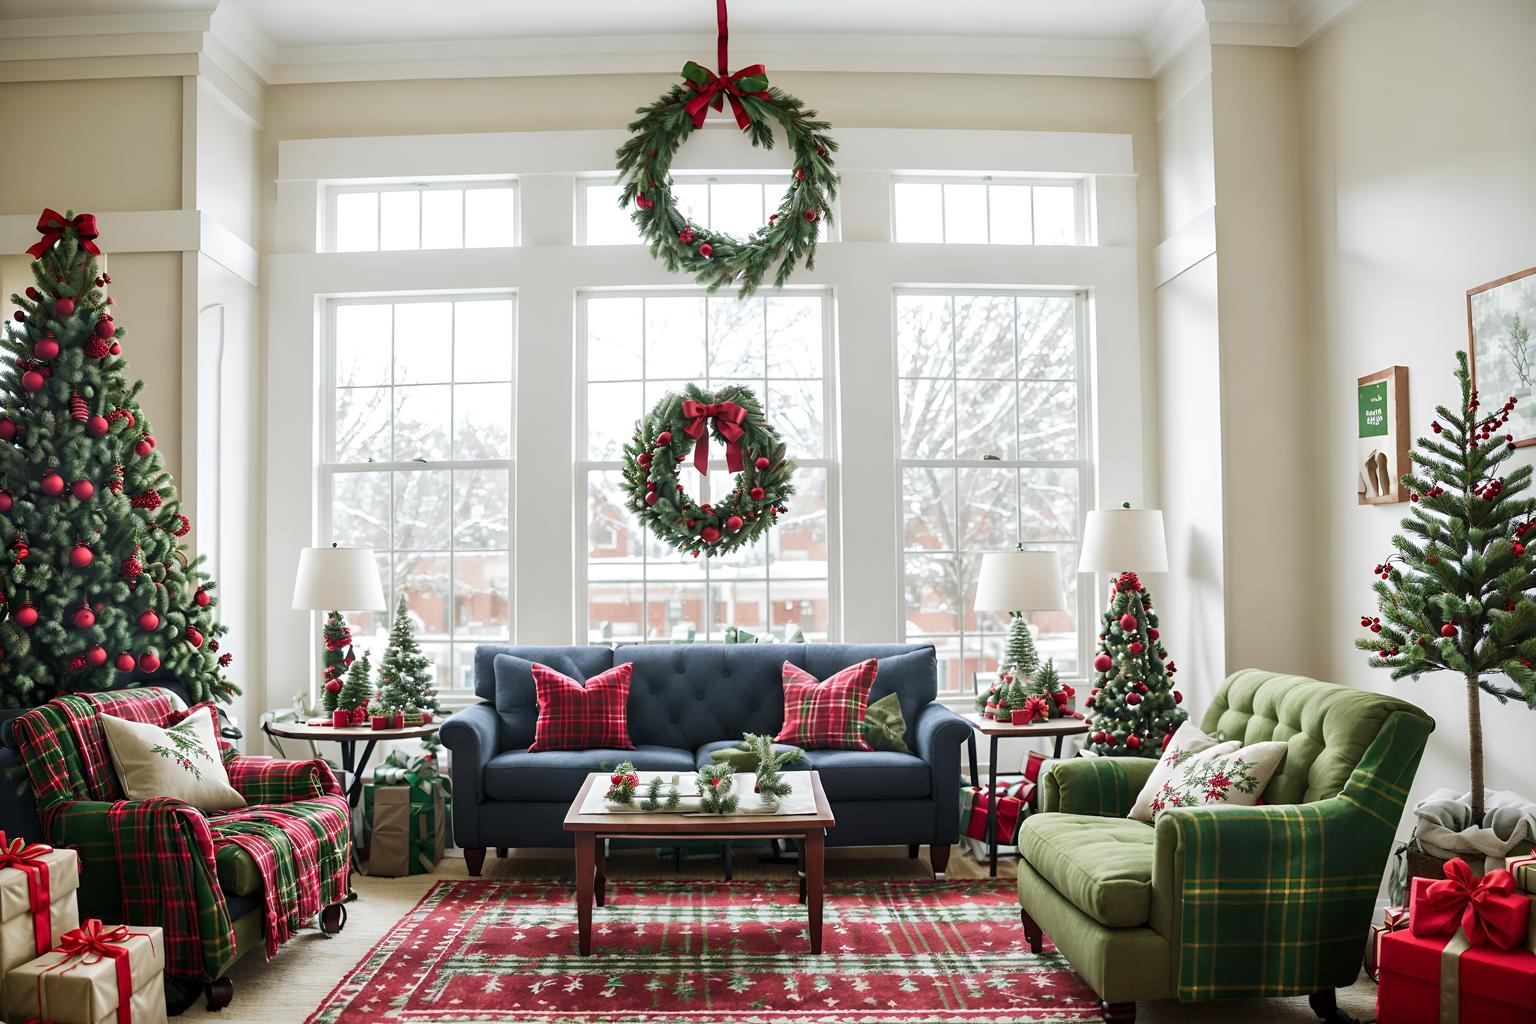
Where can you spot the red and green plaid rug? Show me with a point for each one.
(703, 952)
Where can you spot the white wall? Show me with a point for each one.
(1418, 175)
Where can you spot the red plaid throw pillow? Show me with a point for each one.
(826, 715)
(577, 717)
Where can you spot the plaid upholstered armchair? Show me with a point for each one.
(1225, 902)
(219, 885)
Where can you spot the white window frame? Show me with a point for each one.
(328, 469)
(1086, 609)
(827, 461)
(1081, 221)
(327, 240)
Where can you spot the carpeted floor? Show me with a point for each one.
(290, 988)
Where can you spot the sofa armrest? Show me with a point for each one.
(1103, 786)
(937, 735)
(269, 780)
(470, 735)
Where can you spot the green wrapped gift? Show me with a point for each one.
(405, 816)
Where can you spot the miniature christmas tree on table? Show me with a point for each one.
(337, 659)
(1057, 694)
(1020, 659)
(98, 580)
(357, 692)
(405, 675)
(1135, 707)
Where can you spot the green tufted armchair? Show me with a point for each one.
(1216, 903)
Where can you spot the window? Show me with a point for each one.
(995, 211)
(994, 452)
(635, 349)
(735, 205)
(419, 464)
(449, 215)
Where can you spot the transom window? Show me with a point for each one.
(987, 210)
(635, 348)
(435, 215)
(994, 452)
(734, 204)
(418, 464)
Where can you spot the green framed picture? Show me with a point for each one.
(1381, 436)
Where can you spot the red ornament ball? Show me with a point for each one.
(1153, 633)
(85, 618)
(1128, 622)
(82, 489)
(7, 429)
(149, 661)
(105, 328)
(33, 381)
(26, 616)
(733, 524)
(762, 462)
(21, 317)
(1135, 647)
(64, 306)
(1448, 630)
(149, 622)
(1133, 698)
(664, 438)
(194, 637)
(202, 598)
(53, 484)
(1178, 698)
(115, 349)
(1133, 742)
(97, 426)
(48, 348)
(1103, 663)
(758, 494)
(125, 662)
(810, 216)
(96, 656)
(144, 447)
(33, 293)
(333, 686)
(651, 499)
(80, 556)
(710, 534)
(706, 250)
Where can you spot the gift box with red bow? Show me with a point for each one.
(1523, 868)
(1392, 919)
(97, 975)
(1010, 809)
(1463, 958)
(37, 899)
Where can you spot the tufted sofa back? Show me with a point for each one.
(687, 695)
(1326, 727)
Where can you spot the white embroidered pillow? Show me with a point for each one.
(1188, 742)
(1232, 780)
(181, 762)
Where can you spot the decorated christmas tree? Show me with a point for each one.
(1020, 660)
(405, 675)
(1135, 707)
(357, 691)
(337, 659)
(98, 580)
(1456, 594)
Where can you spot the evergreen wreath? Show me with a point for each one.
(645, 164)
(754, 452)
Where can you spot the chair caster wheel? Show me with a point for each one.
(333, 919)
(938, 876)
(220, 992)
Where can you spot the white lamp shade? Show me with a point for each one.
(1124, 539)
(1019, 581)
(338, 579)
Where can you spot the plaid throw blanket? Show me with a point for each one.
(295, 829)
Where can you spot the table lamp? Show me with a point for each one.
(1124, 539)
(1016, 582)
(333, 580)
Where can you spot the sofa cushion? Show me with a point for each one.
(870, 775)
(555, 776)
(911, 671)
(707, 755)
(885, 727)
(504, 678)
(238, 873)
(1103, 865)
(581, 716)
(827, 714)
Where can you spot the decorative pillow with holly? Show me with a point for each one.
(1235, 779)
(182, 762)
(1188, 744)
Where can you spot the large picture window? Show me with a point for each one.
(635, 348)
(993, 453)
(419, 464)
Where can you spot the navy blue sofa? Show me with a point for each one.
(686, 700)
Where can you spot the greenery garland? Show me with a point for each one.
(712, 257)
(663, 442)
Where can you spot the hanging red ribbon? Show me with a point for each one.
(28, 858)
(1488, 909)
(728, 417)
(713, 90)
(93, 938)
(51, 226)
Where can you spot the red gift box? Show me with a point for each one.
(1440, 979)
(1009, 810)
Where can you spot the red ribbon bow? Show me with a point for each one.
(1036, 707)
(28, 857)
(93, 938)
(51, 226)
(727, 417)
(714, 90)
(1488, 909)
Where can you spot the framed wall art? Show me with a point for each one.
(1381, 436)
(1501, 328)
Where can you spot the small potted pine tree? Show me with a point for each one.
(405, 674)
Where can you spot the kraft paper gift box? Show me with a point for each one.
(37, 899)
(1439, 979)
(406, 825)
(119, 978)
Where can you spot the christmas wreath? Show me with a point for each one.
(753, 451)
(714, 258)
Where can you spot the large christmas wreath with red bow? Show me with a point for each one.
(714, 258)
(680, 424)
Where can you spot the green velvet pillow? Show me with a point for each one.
(884, 727)
(740, 758)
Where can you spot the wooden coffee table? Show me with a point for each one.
(591, 868)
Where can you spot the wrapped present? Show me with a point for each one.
(1523, 869)
(97, 975)
(405, 816)
(1392, 919)
(1010, 809)
(37, 899)
(1463, 958)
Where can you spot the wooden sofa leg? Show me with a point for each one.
(1326, 1005)
(939, 856)
(220, 992)
(912, 850)
(1118, 1013)
(501, 852)
(1032, 932)
(474, 856)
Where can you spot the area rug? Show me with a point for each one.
(702, 952)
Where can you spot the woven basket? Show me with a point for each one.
(1424, 865)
